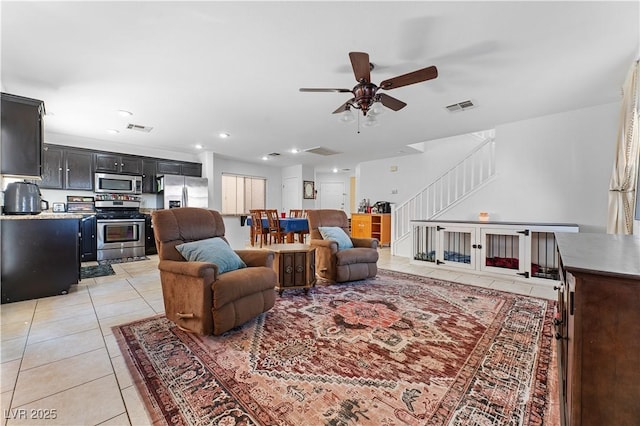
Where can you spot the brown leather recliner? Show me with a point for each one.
(196, 297)
(351, 264)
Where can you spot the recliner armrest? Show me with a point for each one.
(325, 244)
(365, 242)
(256, 257)
(192, 269)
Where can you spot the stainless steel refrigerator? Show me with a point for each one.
(183, 191)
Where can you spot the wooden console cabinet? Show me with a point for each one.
(598, 329)
(295, 265)
(372, 226)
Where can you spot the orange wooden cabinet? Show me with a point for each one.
(372, 226)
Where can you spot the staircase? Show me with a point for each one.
(454, 185)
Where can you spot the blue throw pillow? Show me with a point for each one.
(336, 234)
(213, 250)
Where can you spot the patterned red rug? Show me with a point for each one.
(397, 349)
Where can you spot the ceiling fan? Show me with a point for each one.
(365, 93)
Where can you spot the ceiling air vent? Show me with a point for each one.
(460, 106)
(139, 128)
(274, 154)
(321, 151)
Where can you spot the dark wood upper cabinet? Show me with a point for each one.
(169, 168)
(192, 169)
(67, 168)
(113, 163)
(52, 167)
(149, 183)
(79, 169)
(22, 136)
(179, 168)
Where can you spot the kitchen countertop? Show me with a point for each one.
(43, 215)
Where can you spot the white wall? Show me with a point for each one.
(554, 168)
(236, 233)
(407, 175)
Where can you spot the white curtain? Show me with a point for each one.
(622, 186)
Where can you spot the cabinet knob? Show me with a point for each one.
(60, 169)
(115, 164)
(68, 170)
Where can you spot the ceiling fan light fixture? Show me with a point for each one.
(377, 108)
(347, 116)
(370, 121)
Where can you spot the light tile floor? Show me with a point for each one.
(60, 356)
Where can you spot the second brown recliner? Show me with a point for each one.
(341, 265)
(197, 296)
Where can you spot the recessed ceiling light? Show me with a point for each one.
(198, 146)
(294, 151)
(224, 135)
(335, 170)
(265, 158)
(113, 131)
(124, 113)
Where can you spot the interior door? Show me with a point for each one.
(291, 194)
(332, 195)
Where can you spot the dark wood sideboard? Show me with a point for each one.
(598, 329)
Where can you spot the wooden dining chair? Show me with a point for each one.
(299, 213)
(257, 230)
(275, 232)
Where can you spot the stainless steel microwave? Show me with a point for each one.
(118, 184)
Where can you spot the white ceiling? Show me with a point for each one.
(192, 70)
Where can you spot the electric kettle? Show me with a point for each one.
(23, 198)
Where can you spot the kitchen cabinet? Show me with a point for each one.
(39, 257)
(598, 329)
(114, 163)
(192, 169)
(372, 226)
(67, 168)
(88, 230)
(149, 183)
(178, 168)
(519, 250)
(22, 136)
(150, 243)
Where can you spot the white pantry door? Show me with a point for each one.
(332, 195)
(291, 193)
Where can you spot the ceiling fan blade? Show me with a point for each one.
(391, 103)
(342, 107)
(410, 78)
(309, 89)
(361, 67)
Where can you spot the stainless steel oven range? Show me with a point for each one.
(121, 227)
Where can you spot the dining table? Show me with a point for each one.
(288, 225)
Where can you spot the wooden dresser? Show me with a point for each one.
(373, 225)
(598, 329)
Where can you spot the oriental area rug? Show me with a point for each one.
(394, 350)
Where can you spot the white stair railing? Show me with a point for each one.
(473, 172)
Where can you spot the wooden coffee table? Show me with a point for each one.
(295, 265)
